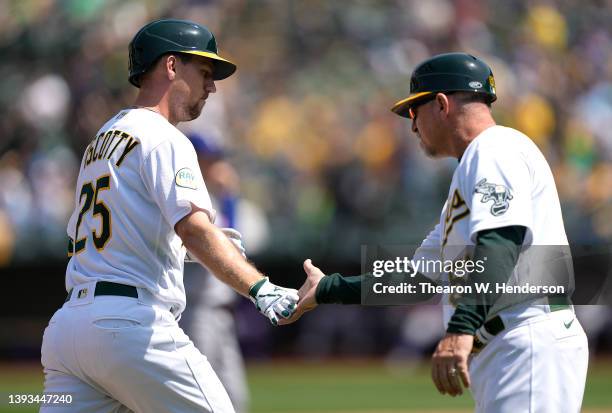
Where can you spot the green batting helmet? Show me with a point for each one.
(448, 72)
(174, 36)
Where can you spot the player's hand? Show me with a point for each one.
(450, 363)
(236, 238)
(273, 301)
(307, 292)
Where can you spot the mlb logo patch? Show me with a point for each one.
(82, 293)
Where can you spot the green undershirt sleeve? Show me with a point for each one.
(501, 247)
(337, 289)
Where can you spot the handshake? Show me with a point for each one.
(279, 304)
(285, 305)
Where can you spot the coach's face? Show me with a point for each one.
(429, 126)
(191, 87)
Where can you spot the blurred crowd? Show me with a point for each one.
(306, 123)
(306, 120)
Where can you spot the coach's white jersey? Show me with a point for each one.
(502, 179)
(138, 178)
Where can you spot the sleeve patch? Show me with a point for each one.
(186, 179)
(499, 194)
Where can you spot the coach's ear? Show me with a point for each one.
(442, 105)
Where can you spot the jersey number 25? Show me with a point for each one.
(99, 209)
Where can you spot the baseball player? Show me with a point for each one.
(140, 204)
(526, 355)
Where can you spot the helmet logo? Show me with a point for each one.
(475, 84)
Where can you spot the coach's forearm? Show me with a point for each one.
(212, 248)
(337, 289)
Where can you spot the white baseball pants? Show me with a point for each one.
(537, 366)
(118, 354)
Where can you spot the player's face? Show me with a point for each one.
(193, 84)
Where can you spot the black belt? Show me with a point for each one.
(110, 288)
(496, 325)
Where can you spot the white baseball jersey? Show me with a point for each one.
(502, 179)
(138, 178)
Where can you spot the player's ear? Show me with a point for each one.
(171, 67)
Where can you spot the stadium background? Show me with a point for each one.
(306, 122)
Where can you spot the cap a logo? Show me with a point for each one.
(186, 179)
(499, 194)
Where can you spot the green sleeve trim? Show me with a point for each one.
(501, 247)
(467, 319)
(336, 289)
(255, 287)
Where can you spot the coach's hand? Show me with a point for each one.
(307, 292)
(450, 363)
(273, 301)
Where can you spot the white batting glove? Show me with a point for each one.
(273, 301)
(236, 238)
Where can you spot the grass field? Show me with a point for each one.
(339, 387)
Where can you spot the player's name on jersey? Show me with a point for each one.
(108, 143)
(479, 288)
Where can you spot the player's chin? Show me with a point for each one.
(196, 110)
(200, 104)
